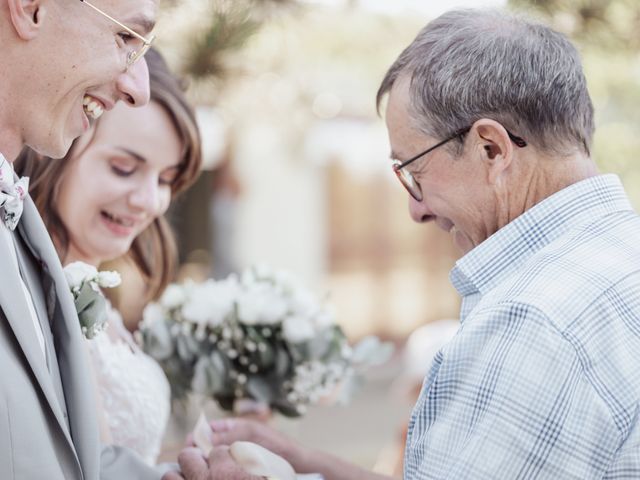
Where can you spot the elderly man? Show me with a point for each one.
(63, 63)
(490, 125)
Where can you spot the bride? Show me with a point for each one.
(106, 199)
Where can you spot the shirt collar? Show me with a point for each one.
(509, 248)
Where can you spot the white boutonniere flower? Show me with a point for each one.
(85, 282)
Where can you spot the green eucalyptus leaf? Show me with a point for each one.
(286, 408)
(187, 347)
(370, 351)
(209, 375)
(92, 310)
(157, 341)
(261, 389)
(283, 366)
(225, 401)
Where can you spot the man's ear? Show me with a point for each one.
(494, 146)
(27, 17)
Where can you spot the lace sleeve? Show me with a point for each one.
(134, 390)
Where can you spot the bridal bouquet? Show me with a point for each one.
(259, 335)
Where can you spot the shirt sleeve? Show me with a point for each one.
(509, 398)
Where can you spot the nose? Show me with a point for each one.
(418, 211)
(145, 197)
(133, 84)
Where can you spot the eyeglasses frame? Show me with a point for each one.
(133, 55)
(408, 180)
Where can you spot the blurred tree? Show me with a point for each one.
(223, 29)
(211, 38)
(608, 34)
(602, 24)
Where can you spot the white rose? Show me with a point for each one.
(151, 314)
(325, 318)
(109, 279)
(261, 304)
(210, 302)
(286, 280)
(173, 297)
(79, 272)
(304, 303)
(297, 329)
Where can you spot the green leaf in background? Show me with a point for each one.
(187, 347)
(370, 351)
(157, 341)
(209, 374)
(262, 390)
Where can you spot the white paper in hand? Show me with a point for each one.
(257, 460)
(202, 435)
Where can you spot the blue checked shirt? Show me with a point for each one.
(543, 378)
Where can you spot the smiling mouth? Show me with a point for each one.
(93, 108)
(120, 221)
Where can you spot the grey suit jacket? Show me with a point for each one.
(41, 434)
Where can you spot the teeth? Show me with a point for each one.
(120, 221)
(92, 108)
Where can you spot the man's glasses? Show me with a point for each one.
(409, 181)
(134, 55)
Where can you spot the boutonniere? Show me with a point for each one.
(85, 282)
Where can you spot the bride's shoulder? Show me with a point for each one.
(115, 332)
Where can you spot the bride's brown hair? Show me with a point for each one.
(154, 251)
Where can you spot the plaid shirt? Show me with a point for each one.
(543, 378)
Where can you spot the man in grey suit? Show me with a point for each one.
(57, 57)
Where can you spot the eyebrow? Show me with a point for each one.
(140, 24)
(131, 153)
(139, 158)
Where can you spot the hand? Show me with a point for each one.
(219, 466)
(252, 410)
(227, 431)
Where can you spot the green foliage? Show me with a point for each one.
(608, 35)
(227, 32)
(608, 24)
(228, 28)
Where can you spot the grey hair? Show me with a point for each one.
(471, 64)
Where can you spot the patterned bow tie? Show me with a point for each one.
(12, 194)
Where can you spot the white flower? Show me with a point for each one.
(210, 302)
(286, 280)
(261, 304)
(173, 297)
(297, 329)
(79, 272)
(151, 314)
(304, 302)
(109, 279)
(325, 318)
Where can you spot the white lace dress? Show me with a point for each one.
(135, 392)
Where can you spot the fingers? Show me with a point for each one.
(221, 462)
(225, 432)
(172, 476)
(250, 409)
(223, 425)
(193, 464)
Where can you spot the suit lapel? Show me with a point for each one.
(16, 311)
(71, 353)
